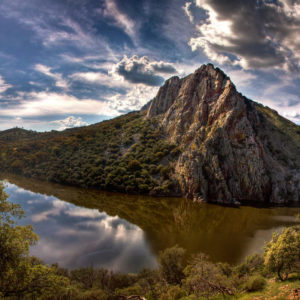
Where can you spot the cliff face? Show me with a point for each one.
(233, 149)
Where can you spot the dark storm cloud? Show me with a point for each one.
(163, 68)
(142, 70)
(253, 34)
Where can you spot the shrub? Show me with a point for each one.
(171, 264)
(134, 165)
(205, 279)
(173, 293)
(159, 154)
(131, 290)
(165, 171)
(255, 283)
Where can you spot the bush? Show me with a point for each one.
(173, 293)
(131, 290)
(205, 279)
(134, 165)
(153, 169)
(255, 283)
(165, 171)
(171, 264)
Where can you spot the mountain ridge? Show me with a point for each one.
(198, 138)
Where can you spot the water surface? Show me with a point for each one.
(84, 227)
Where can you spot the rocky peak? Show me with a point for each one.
(196, 100)
(225, 140)
(204, 82)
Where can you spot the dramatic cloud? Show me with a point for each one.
(97, 59)
(3, 85)
(59, 81)
(70, 122)
(143, 70)
(249, 33)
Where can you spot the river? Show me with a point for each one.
(85, 227)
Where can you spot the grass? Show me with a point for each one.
(274, 289)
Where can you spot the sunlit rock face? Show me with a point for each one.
(233, 149)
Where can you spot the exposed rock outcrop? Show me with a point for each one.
(233, 149)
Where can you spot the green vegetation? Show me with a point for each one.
(283, 252)
(20, 274)
(126, 154)
(281, 136)
(178, 277)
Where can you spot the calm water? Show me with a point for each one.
(83, 227)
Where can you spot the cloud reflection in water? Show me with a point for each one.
(74, 236)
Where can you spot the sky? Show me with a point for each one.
(68, 63)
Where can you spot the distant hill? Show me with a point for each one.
(16, 134)
(198, 138)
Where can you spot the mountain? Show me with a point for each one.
(198, 138)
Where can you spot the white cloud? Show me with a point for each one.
(187, 10)
(53, 27)
(241, 77)
(290, 112)
(277, 97)
(135, 98)
(293, 116)
(85, 212)
(120, 19)
(49, 103)
(3, 85)
(129, 70)
(76, 34)
(97, 62)
(59, 80)
(109, 80)
(70, 122)
(213, 32)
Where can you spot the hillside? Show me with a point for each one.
(198, 138)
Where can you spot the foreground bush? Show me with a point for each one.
(255, 283)
(22, 276)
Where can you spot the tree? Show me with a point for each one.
(21, 275)
(282, 253)
(205, 279)
(171, 264)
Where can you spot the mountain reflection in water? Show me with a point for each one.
(84, 227)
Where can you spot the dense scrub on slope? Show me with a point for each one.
(126, 154)
(281, 137)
